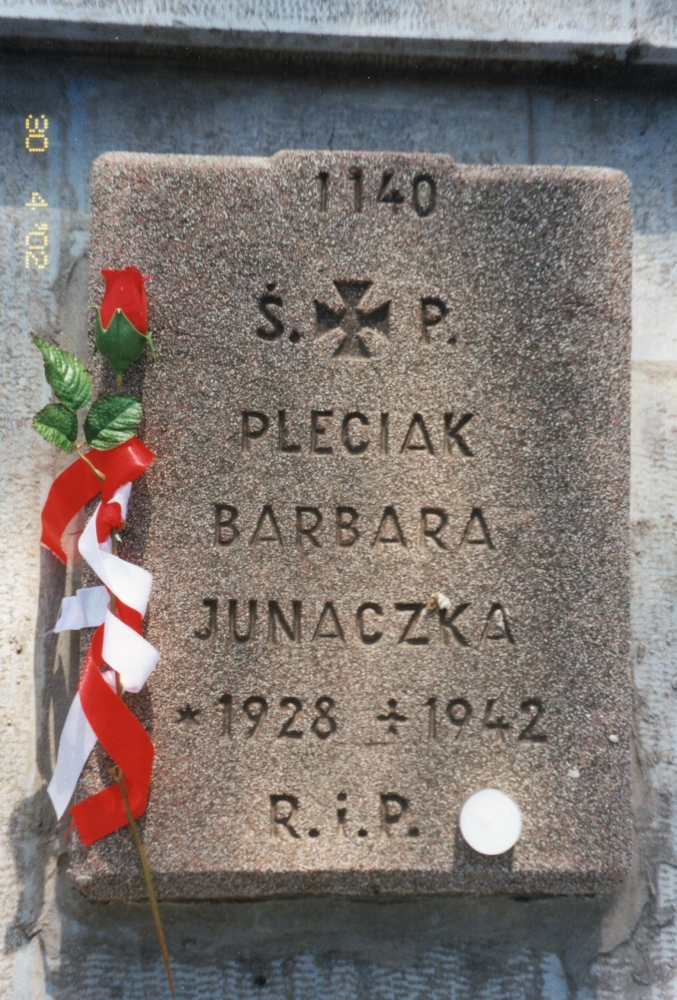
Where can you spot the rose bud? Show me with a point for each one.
(121, 327)
(125, 290)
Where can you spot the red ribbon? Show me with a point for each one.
(123, 738)
(117, 729)
(77, 485)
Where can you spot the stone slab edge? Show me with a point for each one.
(513, 32)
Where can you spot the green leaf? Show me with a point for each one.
(120, 342)
(57, 425)
(66, 374)
(112, 421)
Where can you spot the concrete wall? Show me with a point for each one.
(643, 31)
(55, 944)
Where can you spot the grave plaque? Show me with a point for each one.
(380, 377)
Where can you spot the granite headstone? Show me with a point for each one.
(380, 377)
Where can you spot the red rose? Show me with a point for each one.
(125, 290)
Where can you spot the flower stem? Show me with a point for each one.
(97, 472)
(118, 679)
(118, 383)
(120, 779)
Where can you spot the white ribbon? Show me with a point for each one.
(128, 653)
(128, 582)
(124, 650)
(86, 609)
(78, 739)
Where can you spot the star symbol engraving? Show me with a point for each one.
(189, 715)
(356, 324)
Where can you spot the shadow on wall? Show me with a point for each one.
(33, 824)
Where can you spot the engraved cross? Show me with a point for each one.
(392, 717)
(352, 321)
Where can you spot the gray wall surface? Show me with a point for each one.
(643, 31)
(56, 944)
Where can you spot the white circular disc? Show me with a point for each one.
(491, 822)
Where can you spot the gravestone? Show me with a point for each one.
(380, 377)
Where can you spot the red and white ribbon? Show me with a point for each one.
(97, 712)
(127, 652)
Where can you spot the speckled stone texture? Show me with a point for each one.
(379, 376)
